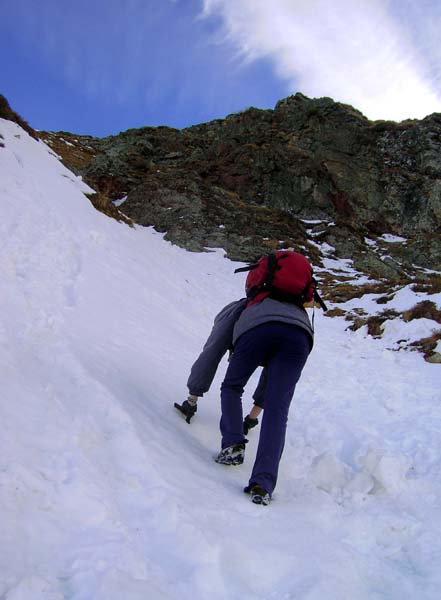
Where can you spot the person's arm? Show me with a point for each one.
(219, 341)
(251, 420)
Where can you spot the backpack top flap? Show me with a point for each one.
(285, 270)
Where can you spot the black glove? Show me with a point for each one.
(249, 423)
(187, 409)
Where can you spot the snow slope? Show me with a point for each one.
(107, 494)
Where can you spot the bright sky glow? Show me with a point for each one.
(104, 66)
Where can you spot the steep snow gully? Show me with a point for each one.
(107, 494)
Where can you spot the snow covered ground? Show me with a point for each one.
(107, 494)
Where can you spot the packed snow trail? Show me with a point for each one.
(105, 491)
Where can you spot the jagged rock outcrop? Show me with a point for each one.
(245, 182)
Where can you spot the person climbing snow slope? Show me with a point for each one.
(273, 331)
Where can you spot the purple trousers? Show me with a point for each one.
(283, 350)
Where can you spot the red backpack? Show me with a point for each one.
(284, 275)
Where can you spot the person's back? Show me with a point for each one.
(270, 309)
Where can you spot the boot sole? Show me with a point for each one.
(257, 498)
(229, 461)
(263, 500)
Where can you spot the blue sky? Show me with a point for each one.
(102, 66)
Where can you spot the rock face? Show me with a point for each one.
(248, 182)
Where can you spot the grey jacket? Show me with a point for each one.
(272, 310)
(218, 343)
(228, 325)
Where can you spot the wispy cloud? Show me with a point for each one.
(380, 56)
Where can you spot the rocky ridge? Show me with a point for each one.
(304, 160)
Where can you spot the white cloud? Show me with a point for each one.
(359, 52)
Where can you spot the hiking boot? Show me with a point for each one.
(249, 423)
(187, 409)
(258, 494)
(232, 455)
